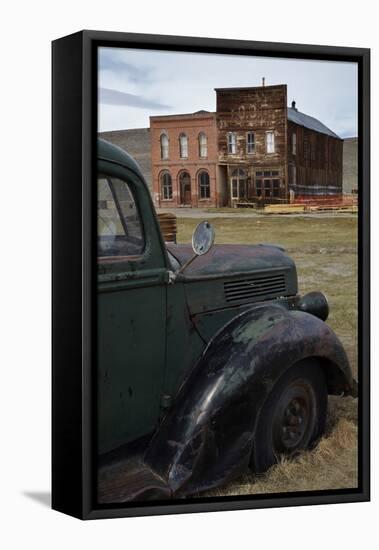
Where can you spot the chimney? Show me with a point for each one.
(293, 105)
(263, 81)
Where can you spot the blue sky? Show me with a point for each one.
(134, 84)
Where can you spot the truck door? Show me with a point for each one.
(131, 308)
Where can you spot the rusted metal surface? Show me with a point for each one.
(240, 266)
(124, 477)
(207, 437)
(231, 259)
(214, 355)
(130, 481)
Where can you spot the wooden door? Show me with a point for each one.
(185, 188)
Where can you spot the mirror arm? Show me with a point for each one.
(173, 275)
(201, 244)
(184, 266)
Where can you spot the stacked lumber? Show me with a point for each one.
(167, 222)
(284, 208)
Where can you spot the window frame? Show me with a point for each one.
(236, 176)
(294, 143)
(250, 143)
(182, 136)
(203, 135)
(105, 260)
(272, 134)
(262, 177)
(202, 186)
(231, 144)
(163, 186)
(163, 147)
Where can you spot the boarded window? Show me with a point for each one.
(183, 146)
(270, 142)
(203, 145)
(204, 185)
(294, 143)
(232, 143)
(164, 146)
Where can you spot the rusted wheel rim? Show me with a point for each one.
(294, 418)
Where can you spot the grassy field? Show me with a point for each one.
(325, 251)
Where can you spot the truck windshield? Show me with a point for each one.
(119, 228)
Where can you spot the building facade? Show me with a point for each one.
(252, 149)
(184, 159)
(315, 158)
(252, 143)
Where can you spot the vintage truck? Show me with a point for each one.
(208, 360)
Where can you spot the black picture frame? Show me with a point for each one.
(74, 90)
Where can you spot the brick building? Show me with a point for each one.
(184, 159)
(252, 149)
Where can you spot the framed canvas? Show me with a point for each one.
(210, 274)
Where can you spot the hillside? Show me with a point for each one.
(350, 164)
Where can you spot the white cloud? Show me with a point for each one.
(185, 82)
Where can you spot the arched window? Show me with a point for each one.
(203, 145)
(238, 184)
(183, 146)
(164, 146)
(204, 185)
(166, 186)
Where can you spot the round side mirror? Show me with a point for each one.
(203, 238)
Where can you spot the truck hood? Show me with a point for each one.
(225, 260)
(233, 275)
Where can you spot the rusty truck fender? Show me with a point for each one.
(207, 436)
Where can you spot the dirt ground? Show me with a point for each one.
(325, 251)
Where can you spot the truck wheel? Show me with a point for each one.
(292, 417)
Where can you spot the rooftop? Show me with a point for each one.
(250, 88)
(309, 122)
(196, 114)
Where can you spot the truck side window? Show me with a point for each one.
(119, 228)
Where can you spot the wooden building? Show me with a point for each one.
(253, 149)
(252, 142)
(315, 158)
(271, 153)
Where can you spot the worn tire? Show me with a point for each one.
(293, 416)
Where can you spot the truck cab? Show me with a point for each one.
(208, 359)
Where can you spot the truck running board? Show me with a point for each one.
(130, 480)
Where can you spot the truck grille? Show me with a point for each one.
(255, 287)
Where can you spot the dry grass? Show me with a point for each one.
(332, 464)
(325, 251)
